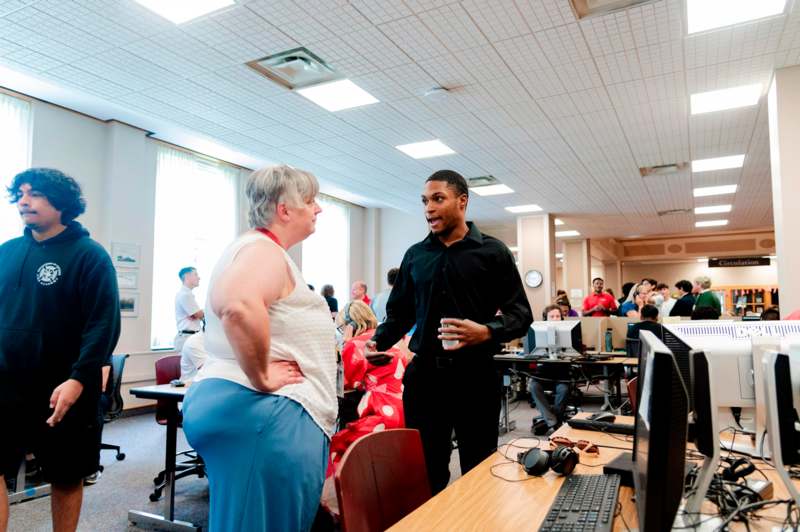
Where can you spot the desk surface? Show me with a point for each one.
(481, 501)
(160, 391)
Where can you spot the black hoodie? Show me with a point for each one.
(59, 311)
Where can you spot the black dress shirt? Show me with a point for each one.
(471, 279)
(683, 306)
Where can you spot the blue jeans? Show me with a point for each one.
(553, 415)
(265, 457)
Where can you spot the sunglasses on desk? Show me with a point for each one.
(582, 445)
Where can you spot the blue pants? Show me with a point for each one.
(266, 458)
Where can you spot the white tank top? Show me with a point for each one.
(301, 329)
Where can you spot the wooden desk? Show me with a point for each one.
(173, 395)
(481, 501)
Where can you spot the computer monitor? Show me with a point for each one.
(706, 431)
(661, 427)
(593, 330)
(619, 330)
(554, 338)
(782, 396)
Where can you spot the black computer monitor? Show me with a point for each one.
(784, 400)
(661, 426)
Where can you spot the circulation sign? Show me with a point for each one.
(738, 261)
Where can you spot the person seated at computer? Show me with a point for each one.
(566, 308)
(649, 317)
(379, 378)
(705, 312)
(685, 303)
(772, 313)
(557, 373)
(193, 356)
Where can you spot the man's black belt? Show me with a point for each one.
(188, 332)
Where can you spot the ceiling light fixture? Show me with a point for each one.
(426, 149)
(180, 11)
(492, 190)
(518, 209)
(558, 221)
(711, 223)
(718, 163)
(743, 96)
(712, 209)
(705, 15)
(702, 192)
(338, 95)
(564, 234)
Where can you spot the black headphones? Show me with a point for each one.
(536, 462)
(739, 468)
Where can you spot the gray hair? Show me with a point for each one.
(271, 185)
(704, 281)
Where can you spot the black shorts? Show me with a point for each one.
(66, 453)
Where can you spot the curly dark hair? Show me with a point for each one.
(62, 191)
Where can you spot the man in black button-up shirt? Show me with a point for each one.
(461, 285)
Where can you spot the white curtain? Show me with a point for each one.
(196, 213)
(326, 253)
(15, 136)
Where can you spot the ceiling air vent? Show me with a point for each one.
(294, 69)
(662, 169)
(674, 211)
(482, 181)
(591, 8)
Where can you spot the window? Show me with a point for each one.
(326, 253)
(196, 213)
(15, 135)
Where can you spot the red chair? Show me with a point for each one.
(168, 369)
(382, 478)
(633, 385)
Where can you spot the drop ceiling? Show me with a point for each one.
(564, 112)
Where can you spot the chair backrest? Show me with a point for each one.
(382, 477)
(633, 385)
(167, 369)
(114, 388)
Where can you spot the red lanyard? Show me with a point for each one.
(270, 234)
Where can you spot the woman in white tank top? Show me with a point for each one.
(262, 408)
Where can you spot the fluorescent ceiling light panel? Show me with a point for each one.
(563, 234)
(705, 15)
(708, 102)
(711, 223)
(718, 163)
(712, 209)
(180, 11)
(517, 209)
(714, 191)
(558, 222)
(338, 95)
(492, 190)
(423, 150)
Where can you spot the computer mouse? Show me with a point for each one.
(608, 417)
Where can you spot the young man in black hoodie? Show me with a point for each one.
(59, 322)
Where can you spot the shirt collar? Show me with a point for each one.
(473, 236)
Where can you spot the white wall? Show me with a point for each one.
(397, 231)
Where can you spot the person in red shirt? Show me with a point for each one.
(358, 292)
(599, 303)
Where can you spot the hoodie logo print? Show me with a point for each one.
(48, 273)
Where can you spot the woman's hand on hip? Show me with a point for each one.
(280, 373)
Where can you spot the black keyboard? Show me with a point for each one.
(584, 502)
(602, 426)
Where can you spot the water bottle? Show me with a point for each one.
(609, 340)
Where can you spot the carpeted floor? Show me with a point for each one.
(126, 485)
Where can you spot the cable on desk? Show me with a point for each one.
(510, 460)
(618, 512)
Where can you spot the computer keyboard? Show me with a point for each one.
(602, 426)
(584, 502)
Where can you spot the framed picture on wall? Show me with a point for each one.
(125, 255)
(127, 280)
(128, 304)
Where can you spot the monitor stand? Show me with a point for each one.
(623, 466)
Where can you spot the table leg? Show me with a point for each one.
(507, 426)
(606, 392)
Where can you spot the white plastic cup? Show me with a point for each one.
(446, 343)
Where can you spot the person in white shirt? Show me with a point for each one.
(193, 356)
(668, 302)
(188, 314)
(379, 303)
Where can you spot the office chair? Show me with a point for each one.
(382, 478)
(168, 369)
(111, 401)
